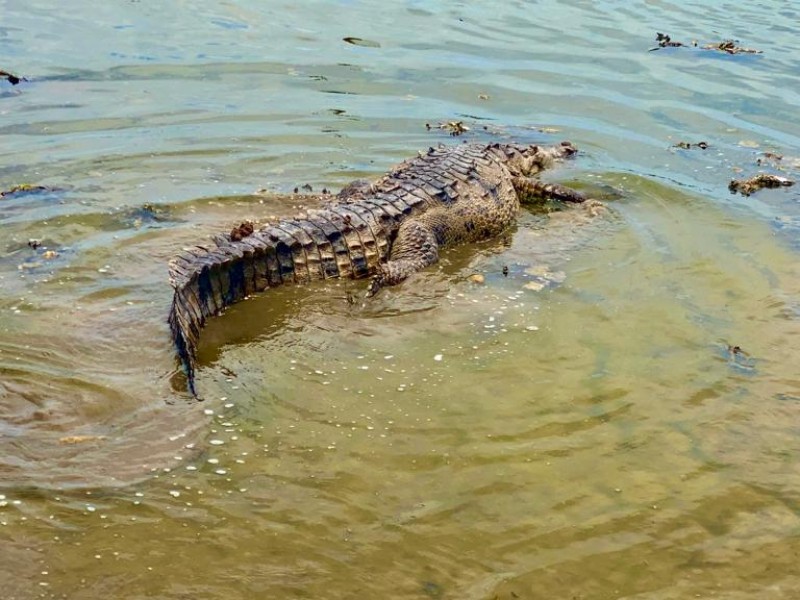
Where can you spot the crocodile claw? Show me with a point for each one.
(374, 287)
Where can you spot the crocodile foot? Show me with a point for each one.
(374, 287)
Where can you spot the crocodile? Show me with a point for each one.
(386, 230)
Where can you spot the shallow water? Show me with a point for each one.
(582, 428)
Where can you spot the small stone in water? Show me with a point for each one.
(532, 328)
(174, 493)
(208, 411)
(216, 442)
(213, 461)
(221, 471)
(438, 357)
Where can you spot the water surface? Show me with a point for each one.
(616, 418)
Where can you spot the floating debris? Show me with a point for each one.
(357, 41)
(736, 350)
(477, 278)
(773, 157)
(763, 180)
(730, 47)
(22, 188)
(454, 127)
(12, 79)
(483, 96)
(665, 41)
(779, 161)
(305, 187)
(690, 145)
(536, 286)
(727, 46)
(738, 358)
(80, 439)
(147, 214)
(41, 255)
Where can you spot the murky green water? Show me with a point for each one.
(579, 429)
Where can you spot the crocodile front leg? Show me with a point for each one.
(535, 191)
(415, 248)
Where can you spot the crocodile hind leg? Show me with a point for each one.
(414, 248)
(531, 191)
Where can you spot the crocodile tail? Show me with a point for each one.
(181, 324)
(200, 277)
(207, 279)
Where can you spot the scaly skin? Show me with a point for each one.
(389, 229)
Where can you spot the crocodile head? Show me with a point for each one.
(524, 161)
